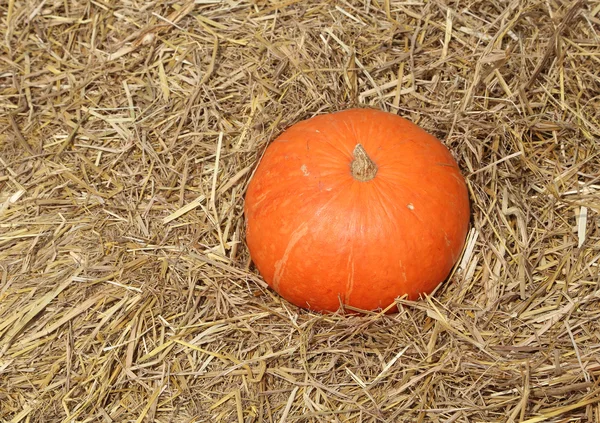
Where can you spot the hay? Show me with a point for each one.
(130, 131)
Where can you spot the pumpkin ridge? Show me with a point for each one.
(343, 139)
(406, 192)
(280, 264)
(385, 201)
(349, 124)
(339, 149)
(448, 245)
(295, 237)
(350, 281)
(338, 187)
(318, 137)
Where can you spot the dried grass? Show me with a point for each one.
(129, 131)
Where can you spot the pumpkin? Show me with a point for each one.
(355, 208)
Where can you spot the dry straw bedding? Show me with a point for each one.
(129, 131)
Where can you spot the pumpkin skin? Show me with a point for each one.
(323, 236)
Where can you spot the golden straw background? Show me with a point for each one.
(129, 131)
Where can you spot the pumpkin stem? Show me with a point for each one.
(362, 167)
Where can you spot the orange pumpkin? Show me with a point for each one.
(355, 208)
